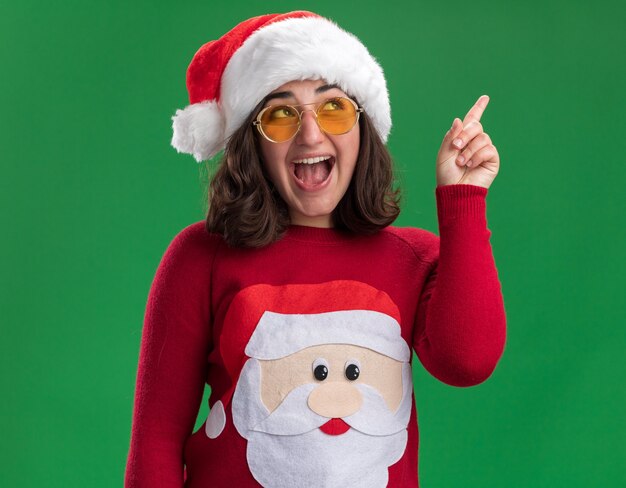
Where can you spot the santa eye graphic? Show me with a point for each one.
(320, 369)
(352, 369)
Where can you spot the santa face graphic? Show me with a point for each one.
(330, 413)
(321, 385)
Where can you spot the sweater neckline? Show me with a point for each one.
(317, 234)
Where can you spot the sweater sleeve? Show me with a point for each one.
(461, 317)
(172, 362)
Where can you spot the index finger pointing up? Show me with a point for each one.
(476, 112)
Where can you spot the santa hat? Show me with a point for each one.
(228, 77)
(270, 322)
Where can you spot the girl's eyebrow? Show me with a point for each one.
(323, 88)
(288, 94)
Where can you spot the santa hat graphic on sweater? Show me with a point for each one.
(229, 77)
(270, 322)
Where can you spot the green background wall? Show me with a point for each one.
(91, 194)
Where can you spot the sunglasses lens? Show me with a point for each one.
(337, 116)
(279, 123)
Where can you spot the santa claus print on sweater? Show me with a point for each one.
(323, 389)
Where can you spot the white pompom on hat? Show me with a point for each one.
(227, 78)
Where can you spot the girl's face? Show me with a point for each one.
(311, 191)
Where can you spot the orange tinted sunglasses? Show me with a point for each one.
(280, 123)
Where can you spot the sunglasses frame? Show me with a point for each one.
(257, 122)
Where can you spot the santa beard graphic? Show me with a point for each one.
(286, 447)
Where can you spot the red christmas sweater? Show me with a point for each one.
(342, 313)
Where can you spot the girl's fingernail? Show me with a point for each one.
(460, 159)
(469, 163)
(458, 143)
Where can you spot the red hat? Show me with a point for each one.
(228, 77)
(270, 322)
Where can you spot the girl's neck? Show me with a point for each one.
(320, 221)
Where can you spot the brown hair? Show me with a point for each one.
(246, 209)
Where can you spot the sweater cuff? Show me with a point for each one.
(467, 202)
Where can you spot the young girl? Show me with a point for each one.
(296, 301)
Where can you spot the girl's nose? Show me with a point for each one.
(310, 133)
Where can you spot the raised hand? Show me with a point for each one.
(467, 155)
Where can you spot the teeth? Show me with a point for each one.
(318, 159)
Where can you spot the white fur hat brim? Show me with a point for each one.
(292, 49)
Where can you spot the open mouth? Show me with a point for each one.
(335, 426)
(312, 173)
